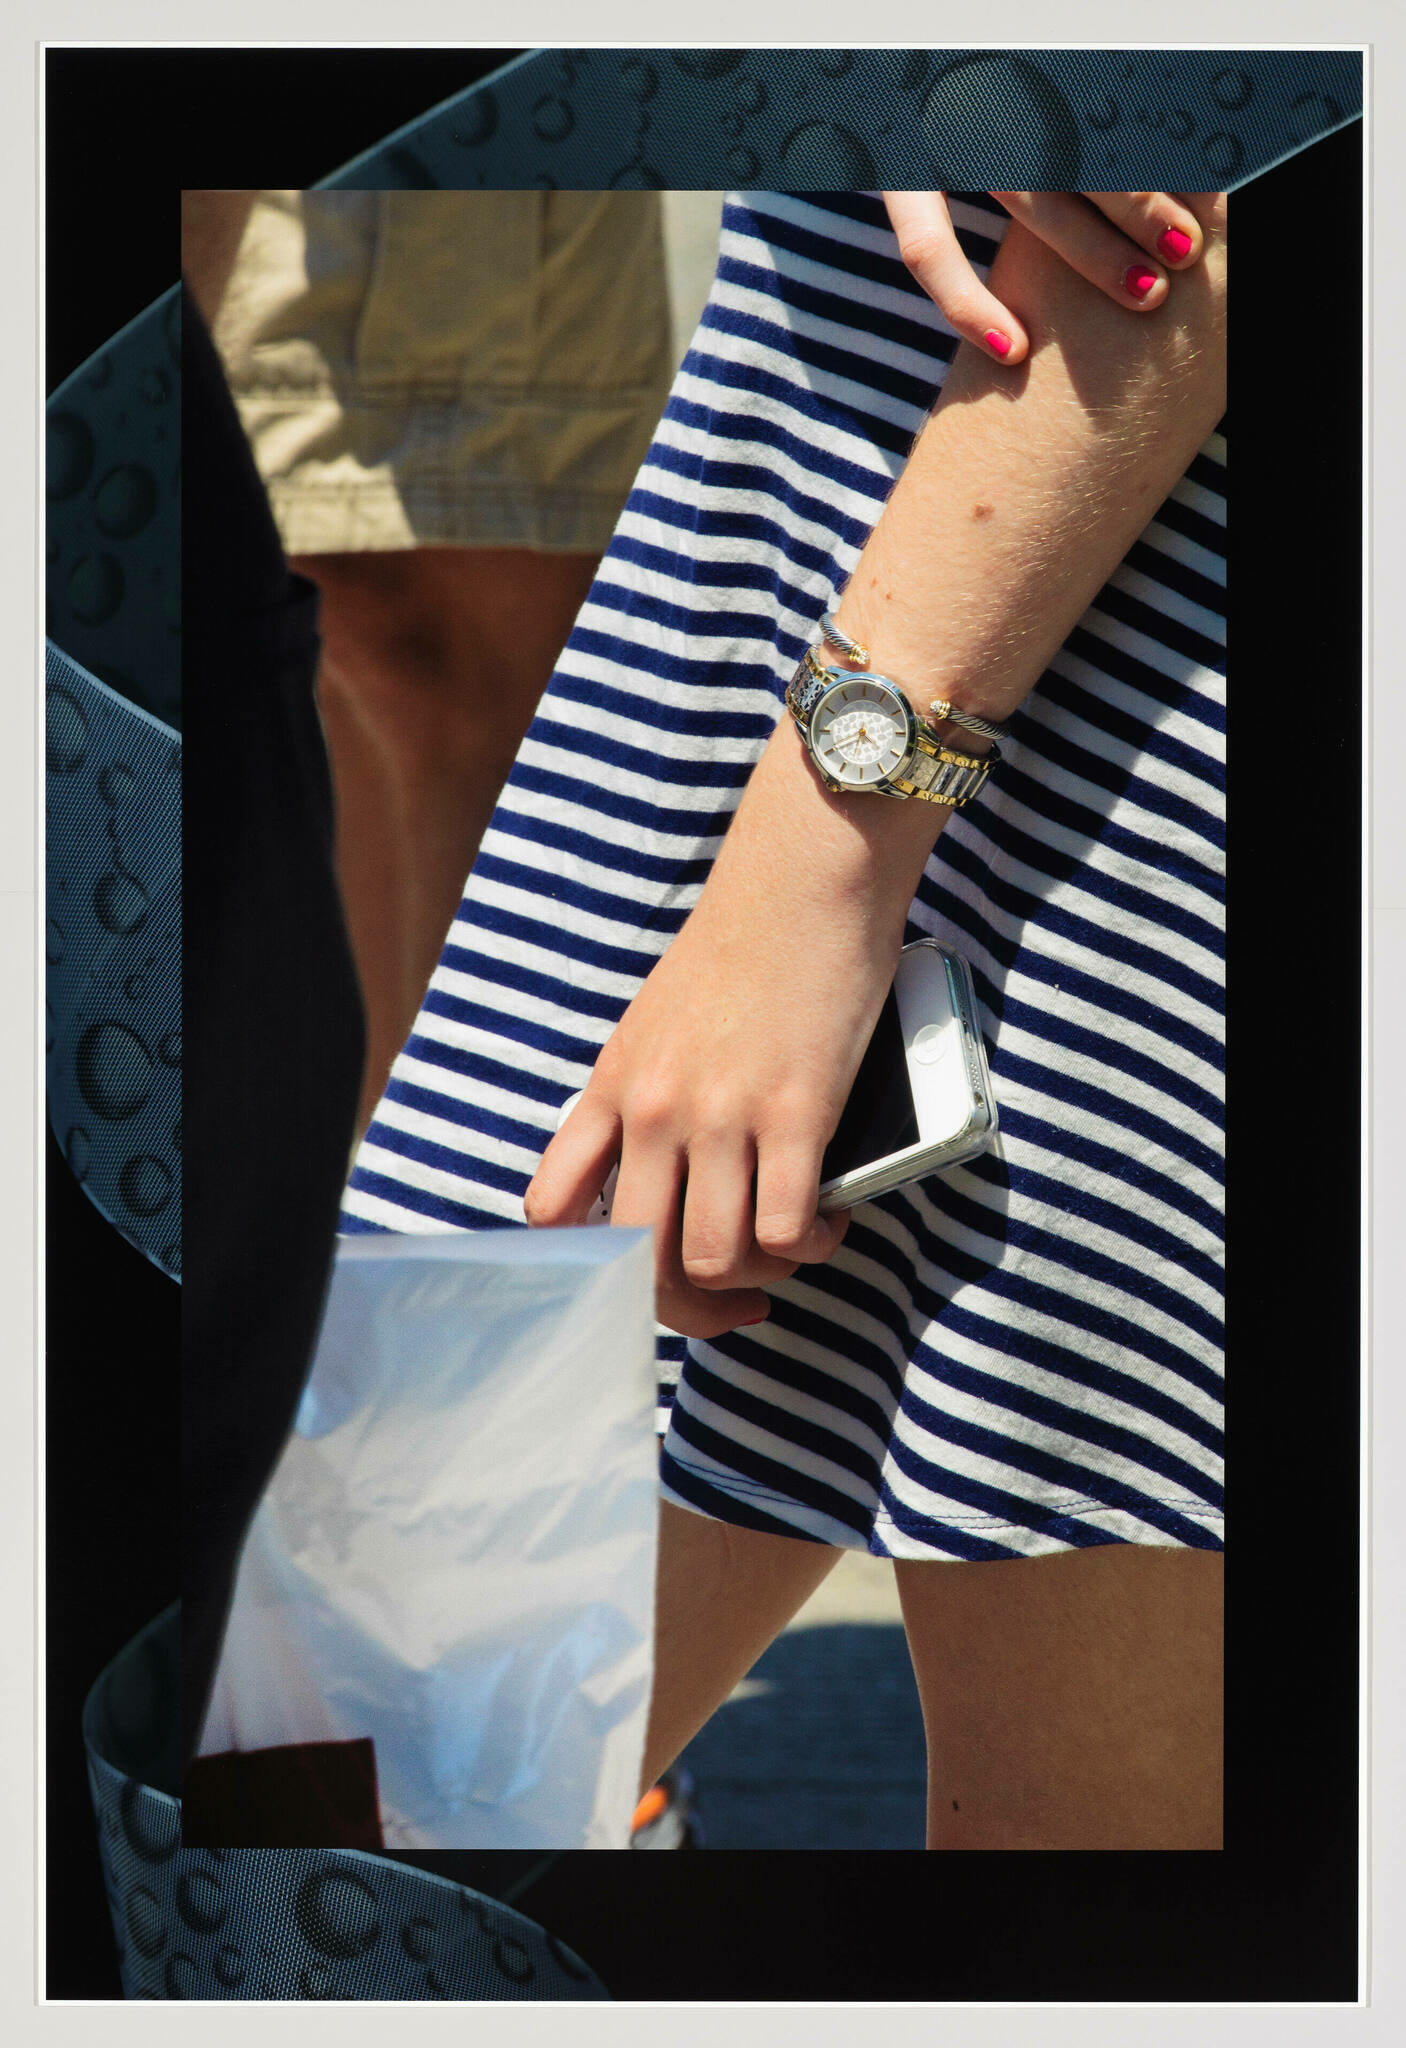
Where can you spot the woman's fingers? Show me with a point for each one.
(928, 245)
(1091, 245)
(575, 1166)
(1160, 223)
(649, 1192)
(1123, 242)
(788, 1190)
(718, 1243)
(1210, 211)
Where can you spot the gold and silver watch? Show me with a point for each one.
(865, 737)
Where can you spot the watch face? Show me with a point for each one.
(861, 732)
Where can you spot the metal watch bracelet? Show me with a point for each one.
(934, 774)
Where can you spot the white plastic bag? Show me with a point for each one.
(455, 1555)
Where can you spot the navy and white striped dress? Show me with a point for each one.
(1016, 1357)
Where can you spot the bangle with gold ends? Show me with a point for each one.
(941, 710)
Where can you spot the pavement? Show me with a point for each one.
(821, 1745)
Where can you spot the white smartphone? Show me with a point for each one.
(922, 1098)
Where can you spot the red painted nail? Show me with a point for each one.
(1174, 244)
(752, 1319)
(1138, 281)
(994, 339)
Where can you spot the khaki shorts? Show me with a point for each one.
(475, 369)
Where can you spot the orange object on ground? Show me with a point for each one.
(649, 1808)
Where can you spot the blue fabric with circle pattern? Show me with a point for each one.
(113, 781)
(279, 1923)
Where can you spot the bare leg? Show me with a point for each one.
(1071, 1702)
(212, 227)
(722, 1597)
(433, 663)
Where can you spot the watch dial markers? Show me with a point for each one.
(860, 733)
(863, 734)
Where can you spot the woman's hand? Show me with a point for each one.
(1122, 242)
(725, 1078)
(709, 1089)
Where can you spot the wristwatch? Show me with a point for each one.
(865, 737)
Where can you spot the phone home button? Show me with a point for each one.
(931, 1044)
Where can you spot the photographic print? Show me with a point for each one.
(629, 483)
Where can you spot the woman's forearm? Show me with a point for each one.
(1027, 488)
(1023, 492)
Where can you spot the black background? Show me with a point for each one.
(1274, 1916)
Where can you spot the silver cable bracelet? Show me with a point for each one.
(939, 707)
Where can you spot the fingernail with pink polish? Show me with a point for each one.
(1138, 281)
(998, 343)
(750, 1320)
(1174, 244)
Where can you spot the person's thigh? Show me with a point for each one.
(464, 632)
(1073, 1701)
(722, 1596)
(433, 663)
